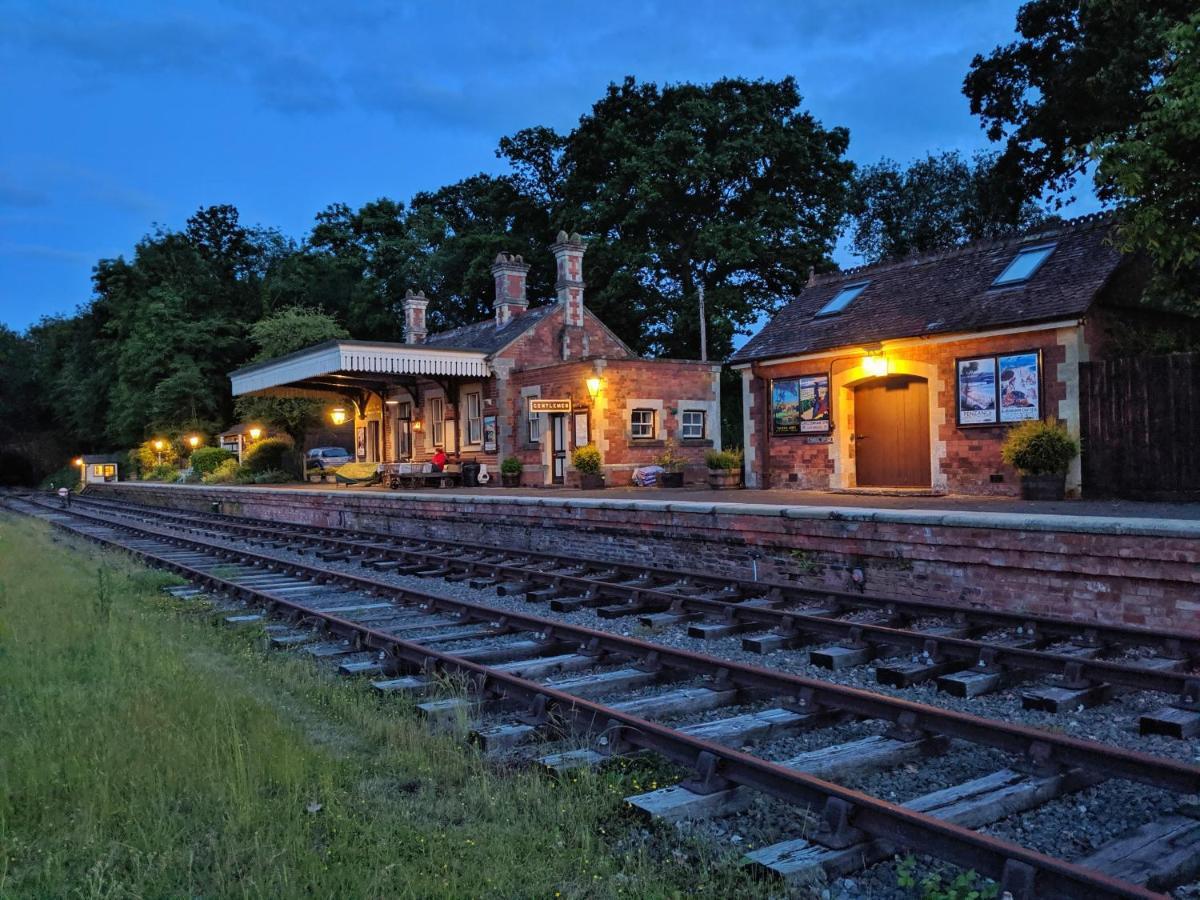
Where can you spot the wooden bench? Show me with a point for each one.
(396, 478)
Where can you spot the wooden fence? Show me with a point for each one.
(1140, 422)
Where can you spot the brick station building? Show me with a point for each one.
(909, 374)
(534, 383)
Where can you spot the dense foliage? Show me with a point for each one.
(1108, 87)
(206, 460)
(269, 454)
(1039, 448)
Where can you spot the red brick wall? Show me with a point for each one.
(1140, 573)
(971, 455)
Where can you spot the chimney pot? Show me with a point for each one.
(510, 271)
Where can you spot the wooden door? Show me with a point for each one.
(891, 432)
(558, 448)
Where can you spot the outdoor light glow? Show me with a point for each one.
(392, 402)
(194, 442)
(875, 365)
(158, 445)
(79, 461)
(255, 434)
(593, 386)
(416, 425)
(338, 415)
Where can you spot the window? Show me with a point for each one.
(641, 424)
(1024, 264)
(692, 424)
(437, 420)
(535, 428)
(474, 419)
(842, 299)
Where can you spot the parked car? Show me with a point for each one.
(326, 459)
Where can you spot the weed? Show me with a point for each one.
(933, 886)
(805, 562)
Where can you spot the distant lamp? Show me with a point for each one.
(875, 365)
(593, 386)
(159, 445)
(194, 442)
(78, 460)
(416, 425)
(338, 415)
(255, 434)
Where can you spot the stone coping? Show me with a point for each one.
(1045, 522)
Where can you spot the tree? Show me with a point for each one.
(938, 202)
(280, 333)
(1154, 172)
(1108, 85)
(730, 185)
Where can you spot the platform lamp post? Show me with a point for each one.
(158, 448)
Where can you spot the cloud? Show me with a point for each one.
(45, 251)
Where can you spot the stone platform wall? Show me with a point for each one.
(1137, 572)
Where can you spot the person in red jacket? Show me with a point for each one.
(439, 460)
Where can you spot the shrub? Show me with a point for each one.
(1039, 448)
(586, 459)
(510, 466)
(205, 460)
(670, 459)
(67, 476)
(268, 454)
(225, 473)
(165, 472)
(723, 459)
(144, 457)
(273, 476)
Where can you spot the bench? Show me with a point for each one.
(398, 475)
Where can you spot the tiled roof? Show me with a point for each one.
(484, 335)
(945, 293)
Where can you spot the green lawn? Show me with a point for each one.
(146, 753)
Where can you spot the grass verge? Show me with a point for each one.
(146, 753)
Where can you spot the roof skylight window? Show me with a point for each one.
(1024, 264)
(842, 299)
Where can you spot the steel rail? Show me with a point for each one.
(847, 816)
(800, 627)
(1174, 642)
(1042, 749)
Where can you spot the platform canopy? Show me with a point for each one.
(343, 368)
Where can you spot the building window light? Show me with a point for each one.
(842, 299)
(1024, 264)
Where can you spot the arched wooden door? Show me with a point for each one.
(891, 432)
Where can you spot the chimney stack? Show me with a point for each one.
(509, 270)
(568, 255)
(414, 317)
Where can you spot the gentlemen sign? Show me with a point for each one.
(537, 405)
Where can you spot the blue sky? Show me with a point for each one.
(117, 116)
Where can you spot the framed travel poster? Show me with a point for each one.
(1020, 386)
(814, 404)
(785, 406)
(977, 391)
(360, 443)
(489, 434)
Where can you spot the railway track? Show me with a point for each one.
(967, 652)
(541, 679)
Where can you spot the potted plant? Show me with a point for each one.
(672, 465)
(1041, 452)
(724, 469)
(510, 472)
(586, 460)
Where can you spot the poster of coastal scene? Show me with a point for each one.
(977, 391)
(785, 406)
(1019, 387)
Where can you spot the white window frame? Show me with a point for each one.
(683, 424)
(474, 408)
(437, 421)
(634, 425)
(535, 428)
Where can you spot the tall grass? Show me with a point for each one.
(145, 753)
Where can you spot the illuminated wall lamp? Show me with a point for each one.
(193, 442)
(593, 386)
(338, 415)
(416, 425)
(255, 434)
(875, 365)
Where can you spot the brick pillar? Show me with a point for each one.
(414, 317)
(568, 257)
(509, 272)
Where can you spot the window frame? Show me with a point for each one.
(1047, 250)
(830, 310)
(683, 426)
(533, 427)
(475, 421)
(634, 425)
(437, 421)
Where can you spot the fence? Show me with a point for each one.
(1140, 422)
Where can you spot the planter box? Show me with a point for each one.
(510, 479)
(671, 479)
(591, 481)
(724, 479)
(1043, 487)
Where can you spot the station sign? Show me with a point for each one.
(538, 405)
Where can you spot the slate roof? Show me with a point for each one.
(945, 293)
(484, 335)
